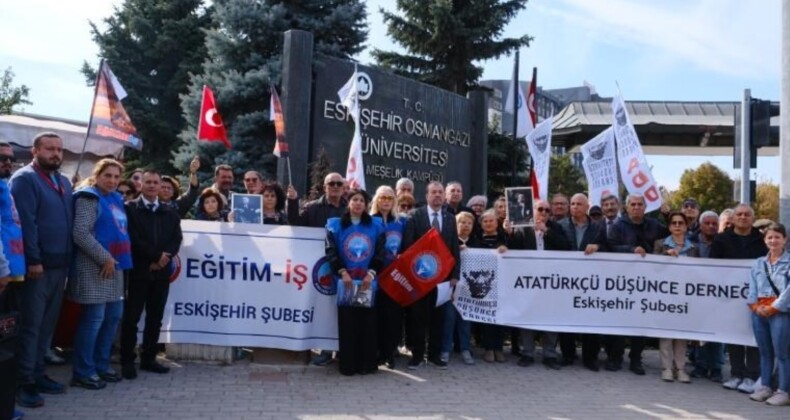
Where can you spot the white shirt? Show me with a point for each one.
(540, 245)
(148, 203)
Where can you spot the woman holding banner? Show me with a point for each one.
(672, 351)
(493, 238)
(389, 312)
(103, 252)
(355, 249)
(769, 300)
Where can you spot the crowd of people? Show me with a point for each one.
(107, 242)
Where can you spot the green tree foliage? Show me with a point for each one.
(708, 184)
(444, 38)
(766, 203)
(152, 47)
(501, 150)
(244, 58)
(564, 177)
(10, 95)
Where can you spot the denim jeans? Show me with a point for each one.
(773, 339)
(39, 306)
(93, 339)
(709, 357)
(452, 322)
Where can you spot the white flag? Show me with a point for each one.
(355, 169)
(539, 144)
(600, 166)
(636, 174)
(524, 121)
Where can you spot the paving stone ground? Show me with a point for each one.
(485, 391)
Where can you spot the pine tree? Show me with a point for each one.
(10, 95)
(152, 46)
(444, 38)
(244, 58)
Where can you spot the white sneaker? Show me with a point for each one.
(444, 357)
(732, 383)
(747, 386)
(466, 355)
(779, 398)
(667, 375)
(761, 393)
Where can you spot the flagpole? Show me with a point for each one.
(288, 163)
(200, 117)
(530, 161)
(516, 88)
(90, 119)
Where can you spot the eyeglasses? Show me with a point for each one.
(335, 184)
(677, 223)
(136, 177)
(405, 207)
(4, 158)
(543, 209)
(386, 198)
(126, 192)
(689, 206)
(250, 179)
(743, 213)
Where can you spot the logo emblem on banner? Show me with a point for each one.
(175, 268)
(480, 282)
(357, 247)
(597, 152)
(542, 142)
(426, 266)
(364, 85)
(393, 242)
(323, 278)
(621, 119)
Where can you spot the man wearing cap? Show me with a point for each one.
(690, 209)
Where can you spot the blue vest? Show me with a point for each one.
(11, 232)
(111, 226)
(356, 244)
(393, 232)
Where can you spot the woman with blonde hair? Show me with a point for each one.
(103, 251)
(388, 312)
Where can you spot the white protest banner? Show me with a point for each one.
(603, 293)
(539, 145)
(600, 166)
(251, 285)
(634, 170)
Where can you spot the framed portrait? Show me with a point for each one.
(519, 206)
(247, 208)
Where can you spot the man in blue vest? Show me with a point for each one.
(43, 199)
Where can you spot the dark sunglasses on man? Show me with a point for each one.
(5, 158)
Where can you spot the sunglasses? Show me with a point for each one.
(4, 158)
(386, 198)
(335, 184)
(137, 177)
(406, 206)
(543, 209)
(677, 223)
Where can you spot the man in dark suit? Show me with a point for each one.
(545, 235)
(155, 231)
(424, 314)
(588, 236)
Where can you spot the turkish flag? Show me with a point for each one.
(210, 127)
(418, 270)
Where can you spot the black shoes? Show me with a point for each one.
(154, 367)
(525, 361)
(637, 368)
(551, 363)
(591, 365)
(90, 382)
(110, 376)
(613, 366)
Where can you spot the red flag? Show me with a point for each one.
(418, 270)
(210, 127)
(276, 115)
